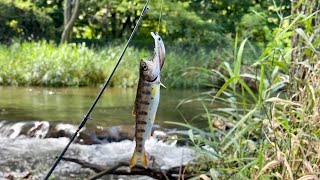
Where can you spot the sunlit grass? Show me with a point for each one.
(268, 125)
(47, 64)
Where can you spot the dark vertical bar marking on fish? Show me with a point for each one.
(146, 92)
(139, 149)
(141, 130)
(139, 143)
(143, 113)
(144, 102)
(145, 84)
(141, 122)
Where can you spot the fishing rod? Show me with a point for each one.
(87, 116)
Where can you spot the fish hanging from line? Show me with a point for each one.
(147, 99)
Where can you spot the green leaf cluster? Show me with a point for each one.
(190, 23)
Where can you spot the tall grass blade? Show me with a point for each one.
(237, 63)
(241, 121)
(226, 85)
(306, 38)
(261, 84)
(209, 121)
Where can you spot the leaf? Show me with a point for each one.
(288, 27)
(261, 84)
(187, 126)
(289, 170)
(306, 38)
(308, 177)
(225, 85)
(282, 101)
(260, 157)
(209, 121)
(204, 177)
(237, 63)
(242, 120)
(248, 90)
(190, 133)
(271, 165)
(214, 174)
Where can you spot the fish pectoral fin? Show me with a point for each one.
(139, 156)
(133, 113)
(153, 119)
(163, 85)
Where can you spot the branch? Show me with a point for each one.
(96, 168)
(122, 168)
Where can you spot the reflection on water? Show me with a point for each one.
(69, 105)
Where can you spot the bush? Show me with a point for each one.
(23, 20)
(46, 64)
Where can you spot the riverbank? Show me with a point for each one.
(47, 64)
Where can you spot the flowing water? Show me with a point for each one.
(31, 116)
(69, 105)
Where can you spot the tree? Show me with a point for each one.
(70, 16)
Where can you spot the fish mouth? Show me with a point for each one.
(154, 35)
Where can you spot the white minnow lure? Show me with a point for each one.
(147, 100)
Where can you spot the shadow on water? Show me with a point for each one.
(69, 105)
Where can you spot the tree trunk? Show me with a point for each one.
(124, 26)
(69, 25)
(105, 22)
(67, 12)
(114, 24)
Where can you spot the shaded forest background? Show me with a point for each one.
(196, 33)
(189, 23)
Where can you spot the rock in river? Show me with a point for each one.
(24, 155)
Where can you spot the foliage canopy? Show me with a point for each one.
(187, 22)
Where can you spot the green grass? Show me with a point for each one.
(269, 125)
(46, 64)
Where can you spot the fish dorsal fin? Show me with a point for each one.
(133, 113)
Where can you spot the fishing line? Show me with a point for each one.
(87, 116)
(160, 15)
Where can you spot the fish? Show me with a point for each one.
(147, 99)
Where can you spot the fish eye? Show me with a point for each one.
(144, 66)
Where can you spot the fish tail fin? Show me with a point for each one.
(139, 156)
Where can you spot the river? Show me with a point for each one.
(23, 154)
(69, 105)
